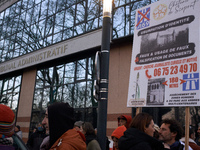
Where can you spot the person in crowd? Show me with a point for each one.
(107, 140)
(89, 132)
(45, 143)
(124, 120)
(59, 120)
(36, 138)
(170, 133)
(77, 125)
(18, 131)
(117, 133)
(140, 135)
(7, 125)
(192, 137)
(198, 135)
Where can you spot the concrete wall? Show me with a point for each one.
(25, 102)
(119, 70)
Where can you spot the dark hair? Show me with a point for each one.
(140, 121)
(18, 127)
(61, 119)
(191, 130)
(88, 128)
(174, 127)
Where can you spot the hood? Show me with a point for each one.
(190, 140)
(118, 132)
(133, 136)
(69, 140)
(61, 119)
(128, 119)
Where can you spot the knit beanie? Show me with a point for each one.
(118, 132)
(7, 121)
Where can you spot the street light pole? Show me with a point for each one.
(104, 73)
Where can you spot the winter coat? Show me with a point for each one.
(192, 143)
(62, 136)
(6, 147)
(198, 141)
(45, 144)
(92, 143)
(135, 139)
(178, 145)
(35, 140)
(194, 146)
(70, 140)
(6, 144)
(19, 133)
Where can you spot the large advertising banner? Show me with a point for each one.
(165, 57)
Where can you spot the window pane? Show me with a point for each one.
(59, 22)
(81, 69)
(9, 91)
(80, 12)
(69, 73)
(69, 19)
(58, 75)
(79, 95)
(68, 93)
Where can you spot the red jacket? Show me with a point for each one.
(194, 146)
(70, 140)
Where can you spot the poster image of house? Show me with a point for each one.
(156, 92)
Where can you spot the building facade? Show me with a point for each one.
(47, 54)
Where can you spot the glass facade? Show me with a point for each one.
(29, 25)
(9, 92)
(71, 82)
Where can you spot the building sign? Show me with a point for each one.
(71, 46)
(165, 57)
(6, 3)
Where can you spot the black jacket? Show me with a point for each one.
(135, 139)
(177, 146)
(35, 140)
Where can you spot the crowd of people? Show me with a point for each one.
(59, 131)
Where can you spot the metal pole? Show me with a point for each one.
(104, 73)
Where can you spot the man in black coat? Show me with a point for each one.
(36, 138)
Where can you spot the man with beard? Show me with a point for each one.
(170, 133)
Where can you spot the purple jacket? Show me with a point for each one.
(6, 147)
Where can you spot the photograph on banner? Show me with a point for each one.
(165, 57)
